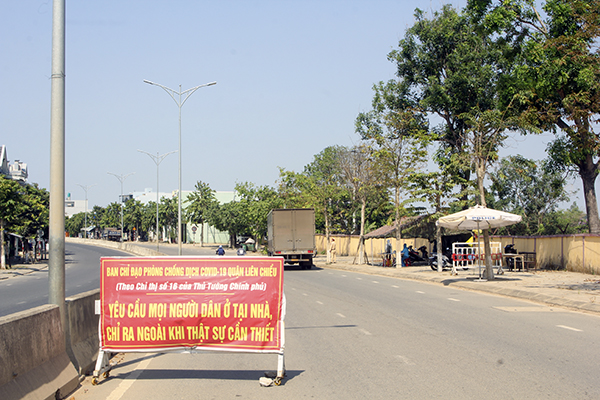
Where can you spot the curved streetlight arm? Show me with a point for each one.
(121, 178)
(192, 90)
(85, 189)
(172, 92)
(179, 103)
(157, 158)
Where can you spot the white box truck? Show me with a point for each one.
(291, 233)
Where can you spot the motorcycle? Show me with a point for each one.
(413, 255)
(446, 261)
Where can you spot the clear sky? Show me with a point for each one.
(292, 75)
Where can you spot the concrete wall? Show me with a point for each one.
(33, 360)
(37, 358)
(347, 245)
(577, 253)
(83, 330)
(130, 247)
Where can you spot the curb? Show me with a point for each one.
(464, 284)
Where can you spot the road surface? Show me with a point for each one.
(82, 273)
(356, 336)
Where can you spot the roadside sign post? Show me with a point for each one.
(191, 304)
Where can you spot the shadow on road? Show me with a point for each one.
(229, 374)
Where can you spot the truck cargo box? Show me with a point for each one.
(291, 234)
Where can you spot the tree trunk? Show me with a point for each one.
(398, 227)
(361, 244)
(327, 243)
(588, 171)
(489, 271)
(440, 250)
(202, 234)
(2, 247)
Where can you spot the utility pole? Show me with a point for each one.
(56, 239)
(176, 96)
(157, 160)
(121, 178)
(85, 189)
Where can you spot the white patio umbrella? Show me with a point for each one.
(478, 217)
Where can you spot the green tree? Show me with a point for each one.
(11, 208)
(149, 218)
(319, 186)
(396, 131)
(358, 170)
(228, 217)
(555, 76)
(437, 69)
(133, 217)
(530, 189)
(199, 202)
(566, 222)
(95, 217)
(168, 216)
(255, 204)
(36, 208)
(74, 224)
(111, 217)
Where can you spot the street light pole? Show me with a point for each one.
(180, 104)
(85, 189)
(121, 178)
(157, 160)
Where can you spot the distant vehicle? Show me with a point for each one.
(111, 234)
(292, 235)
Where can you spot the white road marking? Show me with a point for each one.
(394, 286)
(341, 315)
(405, 360)
(21, 302)
(374, 281)
(418, 291)
(526, 309)
(569, 328)
(451, 299)
(318, 302)
(360, 279)
(304, 294)
(343, 276)
(366, 332)
(130, 379)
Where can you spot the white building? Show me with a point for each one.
(193, 231)
(73, 207)
(16, 171)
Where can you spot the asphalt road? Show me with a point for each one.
(82, 273)
(355, 336)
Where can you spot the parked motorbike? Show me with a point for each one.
(413, 255)
(446, 261)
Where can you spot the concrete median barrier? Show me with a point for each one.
(82, 334)
(33, 360)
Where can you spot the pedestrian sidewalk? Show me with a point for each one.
(553, 288)
(23, 269)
